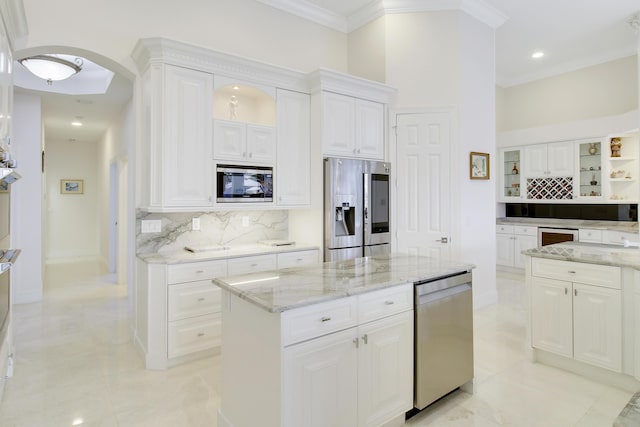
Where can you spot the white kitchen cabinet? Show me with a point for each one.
(293, 172)
(246, 143)
(379, 355)
(511, 240)
(589, 235)
(618, 237)
(344, 362)
(549, 160)
(352, 127)
(179, 308)
(510, 176)
(577, 320)
(177, 137)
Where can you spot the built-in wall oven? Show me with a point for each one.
(549, 236)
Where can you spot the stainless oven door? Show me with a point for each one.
(549, 236)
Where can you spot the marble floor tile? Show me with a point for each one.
(75, 365)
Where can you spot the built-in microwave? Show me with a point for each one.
(244, 184)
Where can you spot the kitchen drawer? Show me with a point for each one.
(618, 237)
(377, 304)
(195, 334)
(504, 229)
(251, 264)
(525, 230)
(296, 259)
(193, 299)
(190, 272)
(318, 319)
(586, 235)
(593, 274)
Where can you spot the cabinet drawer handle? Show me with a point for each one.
(299, 260)
(566, 291)
(199, 271)
(356, 342)
(325, 319)
(365, 338)
(254, 265)
(571, 272)
(201, 299)
(575, 292)
(200, 334)
(389, 302)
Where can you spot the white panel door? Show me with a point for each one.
(385, 369)
(551, 316)
(320, 381)
(423, 204)
(597, 326)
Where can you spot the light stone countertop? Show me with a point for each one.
(281, 290)
(185, 256)
(627, 226)
(592, 253)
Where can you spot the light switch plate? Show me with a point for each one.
(195, 224)
(245, 221)
(150, 226)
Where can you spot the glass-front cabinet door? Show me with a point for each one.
(511, 174)
(590, 164)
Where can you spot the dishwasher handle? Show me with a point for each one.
(443, 293)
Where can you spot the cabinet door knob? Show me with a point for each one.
(566, 291)
(356, 341)
(365, 338)
(575, 292)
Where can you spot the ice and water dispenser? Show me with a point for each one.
(345, 221)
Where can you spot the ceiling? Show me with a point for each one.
(572, 33)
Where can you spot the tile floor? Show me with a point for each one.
(75, 365)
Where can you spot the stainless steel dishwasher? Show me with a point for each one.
(443, 337)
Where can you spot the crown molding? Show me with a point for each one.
(160, 50)
(476, 8)
(310, 12)
(15, 22)
(346, 84)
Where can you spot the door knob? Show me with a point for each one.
(443, 240)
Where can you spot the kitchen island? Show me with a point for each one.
(584, 310)
(322, 345)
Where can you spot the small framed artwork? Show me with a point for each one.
(4, 187)
(71, 186)
(479, 165)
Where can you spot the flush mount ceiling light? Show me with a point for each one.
(51, 68)
(537, 55)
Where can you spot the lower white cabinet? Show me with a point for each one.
(511, 240)
(178, 308)
(577, 320)
(344, 362)
(368, 367)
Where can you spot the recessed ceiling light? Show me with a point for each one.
(537, 55)
(76, 123)
(236, 87)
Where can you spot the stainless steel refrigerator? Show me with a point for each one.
(356, 208)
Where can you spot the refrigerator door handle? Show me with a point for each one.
(366, 213)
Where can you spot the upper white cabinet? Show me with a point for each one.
(554, 159)
(244, 125)
(293, 179)
(352, 127)
(510, 178)
(176, 137)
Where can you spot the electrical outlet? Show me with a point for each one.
(245, 221)
(195, 224)
(150, 226)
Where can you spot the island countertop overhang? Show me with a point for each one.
(592, 253)
(281, 290)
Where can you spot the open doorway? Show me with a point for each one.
(85, 138)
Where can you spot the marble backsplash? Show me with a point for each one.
(216, 228)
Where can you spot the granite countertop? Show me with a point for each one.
(222, 252)
(281, 290)
(593, 253)
(628, 226)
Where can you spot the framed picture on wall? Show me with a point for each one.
(479, 165)
(4, 187)
(71, 186)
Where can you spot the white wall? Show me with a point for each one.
(27, 199)
(604, 90)
(73, 227)
(242, 27)
(367, 53)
